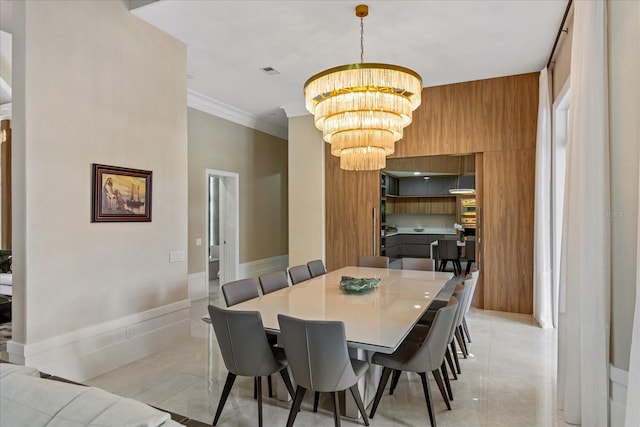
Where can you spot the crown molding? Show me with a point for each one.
(295, 109)
(216, 108)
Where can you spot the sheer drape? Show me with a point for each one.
(632, 417)
(542, 278)
(583, 345)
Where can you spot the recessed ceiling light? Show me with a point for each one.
(426, 177)
(270, 71)
(416, 173)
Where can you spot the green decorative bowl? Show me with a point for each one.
(358, 285)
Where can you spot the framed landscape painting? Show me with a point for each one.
(121, 194)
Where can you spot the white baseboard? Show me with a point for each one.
(618, 396)
(263, 266)
(198, 286)
(91, 351)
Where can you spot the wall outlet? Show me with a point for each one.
(198, 242)
(176, 256)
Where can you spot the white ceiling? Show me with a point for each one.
(444, 41)
(229, 42)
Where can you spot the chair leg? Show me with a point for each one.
(394, 381)
(443, 264)
(455, 355)
(445, 377)
(443, 391)
(255, 388)
(225, 393)
(284, 373)
(356, 396)
(447, 355)
(259, 382)
(465, 349)
(295, 406)
(270, 386)
(316, 399)
(469, 262)
(460, 343)
(466, 328)
(336, 409)
(383, 383)
(427, 397)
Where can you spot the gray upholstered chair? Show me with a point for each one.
(246, 352)
(420, 357)
(319, 361)
(299, 273)
(448, 251)
(424, 264)
(373, 261)
(239, 291)
(462, 295)
(316, 268)
(271, 282)
(419, 333)
(469, 254)
(474, 275)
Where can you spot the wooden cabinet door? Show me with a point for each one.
(352, 213)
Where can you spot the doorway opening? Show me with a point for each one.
(222, 229)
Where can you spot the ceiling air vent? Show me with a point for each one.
(270, 71)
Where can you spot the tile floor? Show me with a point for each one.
(509, 380)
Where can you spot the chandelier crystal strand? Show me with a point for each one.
(362, 108)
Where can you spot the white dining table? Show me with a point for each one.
(375, 321)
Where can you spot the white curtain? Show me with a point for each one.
(583, 345)
(542, 250)
(632, 417)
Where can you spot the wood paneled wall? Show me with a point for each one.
(472, 117)
(494, 117)
(351, 198)
(508, 230)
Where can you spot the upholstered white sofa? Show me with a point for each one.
(26, 399)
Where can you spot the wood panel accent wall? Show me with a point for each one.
(5, 170)
(473, 117)
(350, 200)
(497, 119)
(479, 295)
(508, 230)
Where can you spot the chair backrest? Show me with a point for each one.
(448, 249)
(373, 261)
(474, 275)
(239, 291)
(431, 353)
(316, 268)
(424, 264)
(243, 343)
(470, 250)
(271, 282)
(299, 273)
(317, 353)
(463, 297)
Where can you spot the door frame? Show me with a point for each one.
(229, 224)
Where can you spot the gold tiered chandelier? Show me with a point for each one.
(362, 108)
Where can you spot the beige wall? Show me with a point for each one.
(93, 84)
(261, 162)
(306, 191)
(624, 133)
